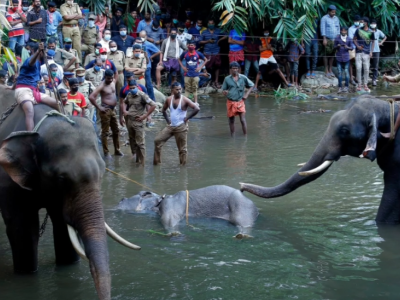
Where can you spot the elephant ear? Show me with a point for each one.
(370, 150)
(18, 159)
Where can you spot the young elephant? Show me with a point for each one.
(217, 201)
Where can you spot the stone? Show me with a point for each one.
(319, 81)
(322, 91)
(160, 97)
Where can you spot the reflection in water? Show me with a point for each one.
(320, 242)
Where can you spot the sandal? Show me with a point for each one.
(359, 88)
(332, 75)
(367, 89)
(312, 75)
(308, 75)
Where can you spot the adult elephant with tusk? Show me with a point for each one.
(57, 167)
(355, 132)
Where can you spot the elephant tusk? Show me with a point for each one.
(321, 168)
(301, 165)
(119, 239)
(75, 242)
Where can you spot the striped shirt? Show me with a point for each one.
(17, 29)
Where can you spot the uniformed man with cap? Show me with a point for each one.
(118, 58)
(137, 65)
(96, 74)
(90, 36)
(85, 88)
(60, 54)
(71, 14)
(64, 60)
(65, 84)
(92, 56)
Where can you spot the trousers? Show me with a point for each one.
(149, 84)
(343, 67)
(311, 55)
(362, 63)
(180, 134)
(109, 119)
(75, 35)
(136, 138)
(375, 65)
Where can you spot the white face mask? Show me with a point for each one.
(103, 57)
(107, 37)
(113, 49)
(373, 26)
(266, 34)
(91, 23)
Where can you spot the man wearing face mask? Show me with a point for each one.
(54, 19)
(54, 76)
(106, 63)
(71, 14)
(196, 32)
(96, 74)
(379, 35)
(137, 65)
(118, 58)
(26, 8)
(154, 33)
(96, 54)
(16, 34)
(90, 36)
(135, 118)
(352, 30)
(169, 57)
(50, 60)
(66, 60)
(75, 96)
(37, 20)
(65, 81)
(85, 88)
(145, 22)
(116, 21)
(123, 40)
(105, 41)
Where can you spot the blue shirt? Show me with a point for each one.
(364, 39)
(330, 27)
(342, 54)
(29, 75)
(142, 24)
(151, 49)
(52, 28)
(192, 62)
(378, 35)
(122, 45)
(211, 48)
(156, 35)
(196, 35)
(235, 36)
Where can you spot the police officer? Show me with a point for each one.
(71, 14)
(64, 60)
(118, 58)
(85, 88)
(137, 65)
(92, 56)
(65, 84)
(96, 74)
(90, 36)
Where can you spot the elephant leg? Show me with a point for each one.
(65, 253)
(170, 222)
(389, 208)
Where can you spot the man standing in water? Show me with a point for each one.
(177, 124)
(233, 87)
(107, 111)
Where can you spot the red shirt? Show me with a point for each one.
(18, 29)
(78, 99)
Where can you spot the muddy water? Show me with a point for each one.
(319, 242)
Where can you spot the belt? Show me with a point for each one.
(70, 25)
(107, 106)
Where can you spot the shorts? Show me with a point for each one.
(234, 108)
(214, 60)
(329, 48)
(271, 61)
(172, 65)
(237, 56)
(26, 94)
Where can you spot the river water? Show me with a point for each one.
(320, 242)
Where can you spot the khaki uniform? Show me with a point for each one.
(86, 88)
(63, 86)
(180, 133)
(71, 28)
(137, 63)
(93, 77)
(89, 39)
(71, 107)
(62, 55)
(90, 57)
(118, 58)
(137, 106)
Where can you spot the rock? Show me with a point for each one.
(207, 90)
(160, 97)
(322, 91)
(318, 81)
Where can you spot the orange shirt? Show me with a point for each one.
(264, 43)
(78, 99)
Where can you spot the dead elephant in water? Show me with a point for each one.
(217, 201)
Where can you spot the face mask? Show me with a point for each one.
(91, 24)
(122, 33)
(266, 34)
(173, 36)
(80, 79)
(181, 30)
(211, 26)
(67, 47)
(97, 51)
(107, 37)
(103, 57)
(42, 90)
(175, 21)
(74, 89)
(52, 10)
(70, 2)
(155, 29)
(25, 8)
(373, 26)
(134, 91)
(198, 27)
(343, 34)
(187, 24)
(53, 74)
(113, 49)
(97, 68)
(361, 25)
(14, 9)
(357, 24)
(191, 48)
(137, 55)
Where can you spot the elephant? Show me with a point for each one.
(354, 131)
(217, 201)
(57, 167)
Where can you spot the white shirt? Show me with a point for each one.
(60, 70)
(105, 44)
(184, 38)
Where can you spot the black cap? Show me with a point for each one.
(234, 64)
(51, 4)
(357, 18)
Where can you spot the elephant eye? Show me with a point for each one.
(344, 130)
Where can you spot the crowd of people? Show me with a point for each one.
(96, 66)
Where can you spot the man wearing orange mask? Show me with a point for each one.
(54, 19)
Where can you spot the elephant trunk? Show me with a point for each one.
(85, 214)
(319, 163)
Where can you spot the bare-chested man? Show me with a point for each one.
(107, 111)
(177, 123)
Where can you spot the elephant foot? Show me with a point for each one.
(241, 236)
